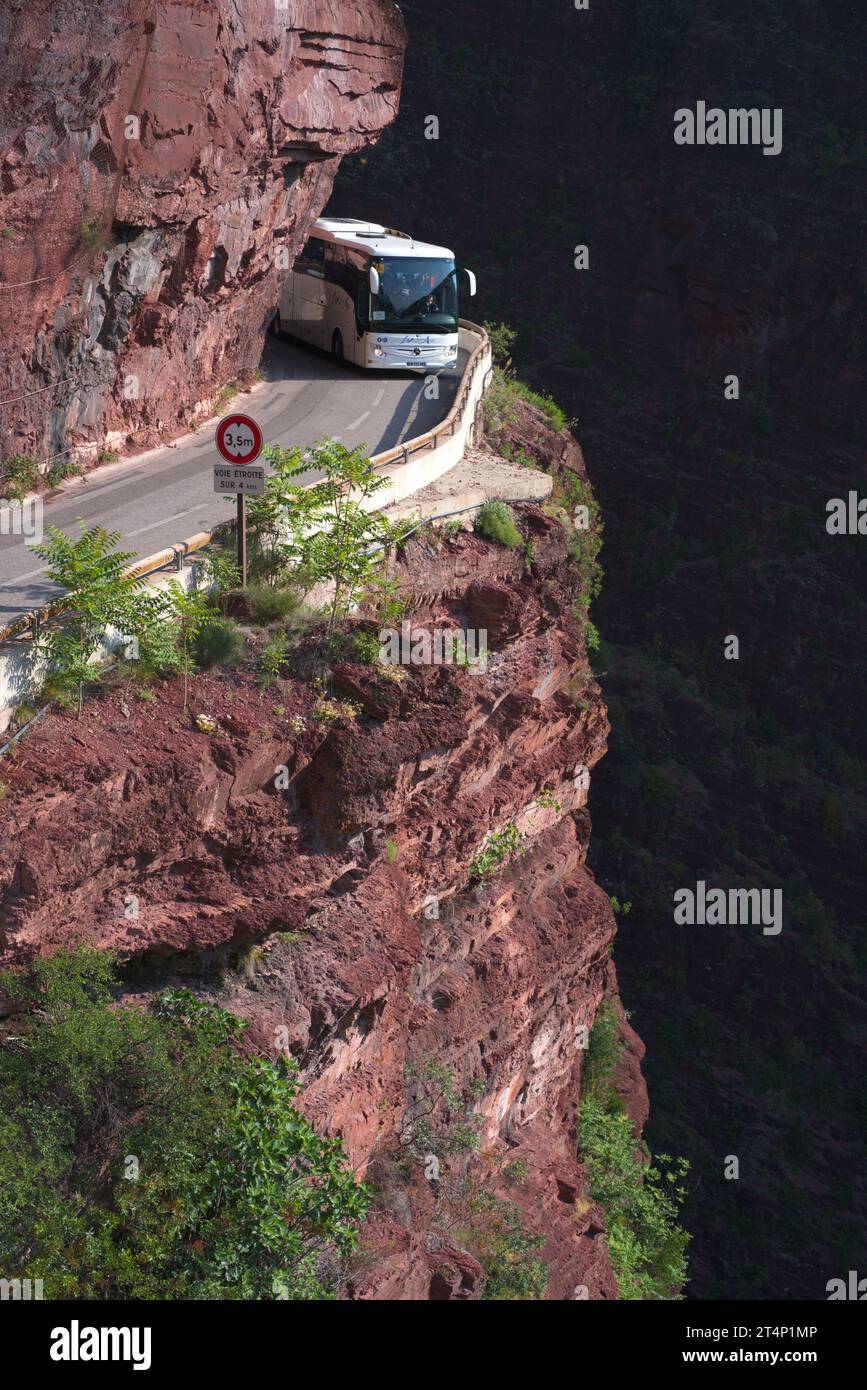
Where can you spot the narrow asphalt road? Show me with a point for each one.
(167, 494)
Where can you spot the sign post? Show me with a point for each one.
(239, 440)
(242, 538)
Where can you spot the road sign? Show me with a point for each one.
(244, 481)
(239, 439)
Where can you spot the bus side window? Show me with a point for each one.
(312, 258)
(341, 269)
(357, 286)
(332, 263)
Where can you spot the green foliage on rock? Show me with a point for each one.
(192, 613)
(641, 1203)
(641, 1200)
(220, 573)
(506, 1249)
(100, 594)
(271, 603)
(496, 522)
(603, 1051)
(439, 1120)
(366, 648)
(499, 846)
(272, 660)
(18, 476)
(218, 643)
(506, 393)
(322, 532)
(144, 1155)
(502, 341)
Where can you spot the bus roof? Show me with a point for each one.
(376, 240)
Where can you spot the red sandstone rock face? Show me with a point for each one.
(137, 275)
(396, 957)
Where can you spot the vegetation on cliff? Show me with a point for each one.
(641, 1196)
(144, 1154)
(440, 1132)
(701, 263)
(300, 537)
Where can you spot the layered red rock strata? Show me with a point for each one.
(161, 163)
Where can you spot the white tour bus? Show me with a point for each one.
(373, 296)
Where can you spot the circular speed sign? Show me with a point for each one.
(239, 439)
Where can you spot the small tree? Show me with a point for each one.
(326, 530)
(192, 614)
(149, 633)
(91, 570)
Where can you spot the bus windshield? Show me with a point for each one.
(415, 295)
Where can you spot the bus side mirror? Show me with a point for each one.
(471, 282)
(373, 279)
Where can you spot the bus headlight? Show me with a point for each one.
(378, 352)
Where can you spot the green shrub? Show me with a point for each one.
(219, 574)
(515, 1173)
(496, 522)
(498, 404)
(505, 1249)
(218, 644)
(502, 340)
(224, 397)
(556, 417)
(389, 600)
(65, 469)
(145, 1155)
(272, 659)
(499, 846)
(330, 711)
(100, 593)
(641, 1203)
(92, 236)
(603, 1051)
(366, 648)
(439, 1119)
(20, 475)
(267, 604)
(23, 713)
(323, 531)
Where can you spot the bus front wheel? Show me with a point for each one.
(337, 347)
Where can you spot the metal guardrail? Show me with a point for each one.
(401, 453)
(29, 625)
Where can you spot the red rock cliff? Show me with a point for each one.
(140, 259)
(393, 957)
